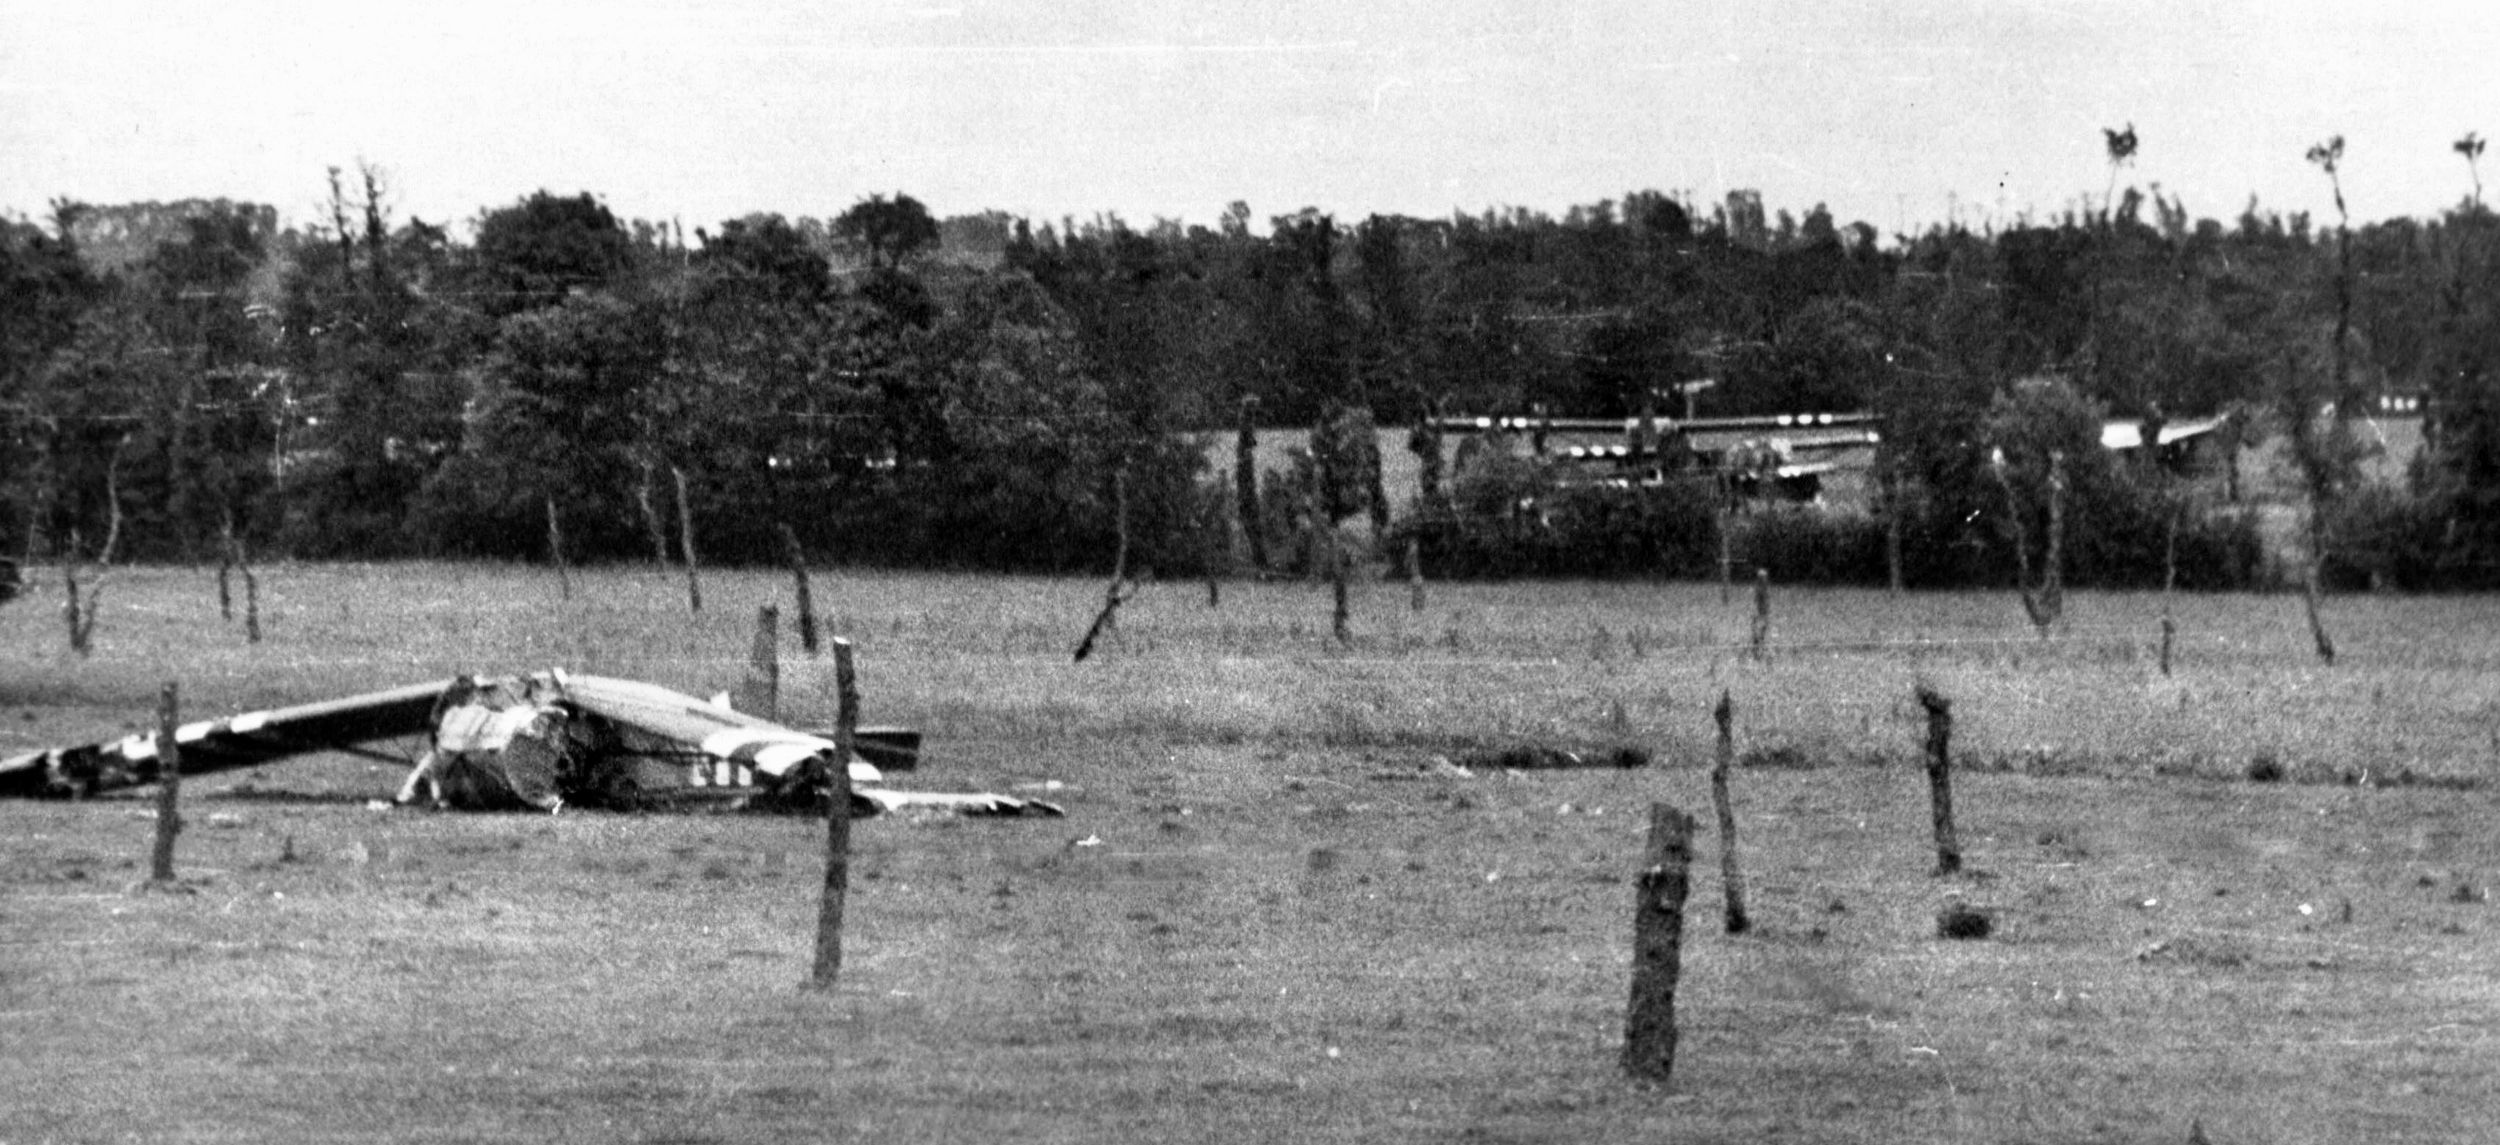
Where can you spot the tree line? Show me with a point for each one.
(973, 392)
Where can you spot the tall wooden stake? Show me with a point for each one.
(1761, 610)
(1940, 778)
(168, 784)
(685, 541)
(797, 559)
(251, 599)
(837, 824)
(1341, 614)
(1658, 945)
(1725, 714)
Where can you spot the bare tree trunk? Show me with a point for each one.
(651, 518)
(225, 570)
(2169, 588)
(1892, 533)
(1106, 621)
(1246, 485)
(555, 551)
(2044, 604)
(685, 541)
(2317, 626)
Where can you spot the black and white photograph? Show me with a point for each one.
(704, 572)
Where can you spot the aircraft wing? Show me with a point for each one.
(976, 803)
(716, 731)
(244, 740)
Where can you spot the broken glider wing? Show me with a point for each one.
(541, 739)
(734, 742)
(245, 740)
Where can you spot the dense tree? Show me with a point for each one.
(889, 231)
(544, 248)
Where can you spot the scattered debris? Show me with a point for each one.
(1540, 757)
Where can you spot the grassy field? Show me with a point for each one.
(1270, 916)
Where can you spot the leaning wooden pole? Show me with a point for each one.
(1940, 778)
(1108, 618)
(837, 886)
(168, 785)
(1725, 714)
(1658, 945)
(685, 541)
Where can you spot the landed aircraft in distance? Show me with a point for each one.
(544, 740)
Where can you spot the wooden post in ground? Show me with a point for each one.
(685, 541)
(1341, 614)
(759, 692)
(555, 551)
(1725, 714)
(837, 886)
(797, 560)
(1940, 778)
(251, 597)
(1727, 551)
(1761, 610)
(168, 785)
(1658, 945)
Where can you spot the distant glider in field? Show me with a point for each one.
(544, 740)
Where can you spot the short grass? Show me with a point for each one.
(1270, 916)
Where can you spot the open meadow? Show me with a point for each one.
(1273, 912)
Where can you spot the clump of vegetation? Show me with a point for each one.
(1960, 920)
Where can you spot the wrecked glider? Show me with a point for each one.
(544, 740)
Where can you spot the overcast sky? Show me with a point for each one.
(1895, 113)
